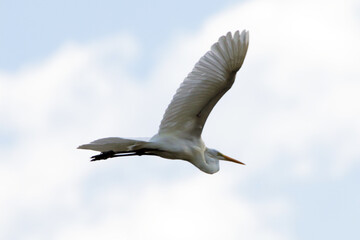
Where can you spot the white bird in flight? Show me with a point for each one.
(179, 135)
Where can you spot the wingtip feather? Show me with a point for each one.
(230, 50)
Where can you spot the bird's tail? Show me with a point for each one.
(116, 147)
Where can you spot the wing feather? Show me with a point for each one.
(210, 79)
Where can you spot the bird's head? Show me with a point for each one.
(212, 158)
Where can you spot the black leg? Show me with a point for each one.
(103, 156)
(112, 154)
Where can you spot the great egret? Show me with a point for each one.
(179, 135)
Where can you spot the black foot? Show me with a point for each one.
(103, 156)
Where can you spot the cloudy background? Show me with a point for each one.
(75, 71)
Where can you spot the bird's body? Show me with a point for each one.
(179, 135)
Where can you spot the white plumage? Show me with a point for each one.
(179, 135)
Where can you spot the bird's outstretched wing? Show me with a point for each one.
(210, 79)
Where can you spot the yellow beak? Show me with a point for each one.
(226, 158)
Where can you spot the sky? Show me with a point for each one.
(75, 71)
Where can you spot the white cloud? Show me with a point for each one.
(301, 77)
(182, 210)
(292, 114)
